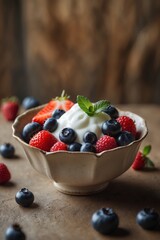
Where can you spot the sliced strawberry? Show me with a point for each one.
(61, 102)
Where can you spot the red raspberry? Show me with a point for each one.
(142, 160)
(43, 140)
(127, 124)
(139, 162)
(58, 146)
(4, 173)
(105, 143)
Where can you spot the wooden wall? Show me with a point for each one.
(97, 48)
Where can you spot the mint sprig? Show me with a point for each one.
(91, 108)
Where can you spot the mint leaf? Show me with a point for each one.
(85, 105)
(146, 150)
(101, 105)
(149, 163)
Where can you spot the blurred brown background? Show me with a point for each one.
(97, 48)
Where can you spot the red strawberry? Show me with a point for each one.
(141, 159)
(43, 140)
(4, 174)
(127, 124)
(9, 108)
(58, 146)
(61, 102)
(105, 143)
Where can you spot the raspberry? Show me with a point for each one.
(4, 174)
(139, 162)
(58, 146)
(105, 143)
(127, 124)
(43, 140)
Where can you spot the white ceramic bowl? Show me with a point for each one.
(80, 173)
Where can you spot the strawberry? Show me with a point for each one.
(127, 124)
(43, 140)
(61, 102)
(58, 146)
(9, 108)
(105, 143)
(4, 174)
(142, 160)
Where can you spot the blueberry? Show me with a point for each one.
(30, 102)
(148, 218)
(67, 135)
(58, 113)
(30, 130)
(90, 137)
(105, 221)
(50, 124)
(124, 138)
(88, 147)
(7, 150)
(111, 127)
(74, 147)
(14, 232)
(111, 111)
(24, 197)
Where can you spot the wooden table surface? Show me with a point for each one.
(55, 215)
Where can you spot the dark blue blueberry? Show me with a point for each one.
(67, 135)
(111, 127)
(24, 197)
(14, 232)
(30, 102)
(90, 137)
(88, 147)
(148, 218)
(7, 150)
(58, 113)
(74, 147)
(125, 138)
(111, 111)
(50, 124)
(30, 130)
(105, 221)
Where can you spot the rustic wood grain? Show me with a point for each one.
(101, 49)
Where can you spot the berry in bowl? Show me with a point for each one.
(80, 146)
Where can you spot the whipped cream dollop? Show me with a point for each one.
(78, 120)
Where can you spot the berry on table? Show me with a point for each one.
(105, 221)
(29, 130)
(10, 108)
(14, 232)
(5, 175)
(7, 150)
(58, 113)
(111, 127)
(87, 147)
(58, 146)
(67, 135)
(43, 140)
(148, 218)
(24, 197)
(30, 102)
(50, 124)
(105, 143)
(127, 124)
(124, 138)
(74, 147)
(111, 111)
(142, 160)
(90, 137)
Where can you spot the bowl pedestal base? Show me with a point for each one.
(84, 190)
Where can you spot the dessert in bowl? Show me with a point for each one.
(80, 146)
